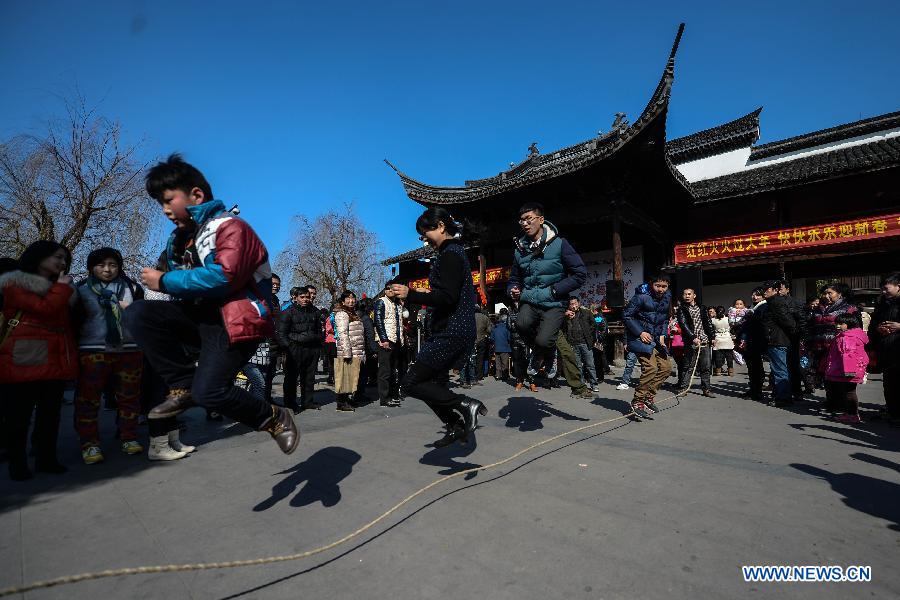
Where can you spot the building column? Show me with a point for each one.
(618, 338)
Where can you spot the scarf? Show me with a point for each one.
(108, 297)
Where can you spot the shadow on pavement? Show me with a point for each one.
(321, 472)
(363, 542)
(197, 431)
(445, 457)
(620, 406)
(866, 494)
(865, 435)
(527, 413)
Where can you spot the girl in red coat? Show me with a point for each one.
(39, 354)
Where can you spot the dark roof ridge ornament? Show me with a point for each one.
(620, 124)
(533, 150)
(541, 167)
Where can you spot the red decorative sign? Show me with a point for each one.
(788, 240)
(491, 276)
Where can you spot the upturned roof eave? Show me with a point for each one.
(539, 168)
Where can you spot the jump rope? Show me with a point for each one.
(234, 564)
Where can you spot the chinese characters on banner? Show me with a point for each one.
(491, 277)
(788, 240)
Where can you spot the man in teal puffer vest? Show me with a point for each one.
(545, 272)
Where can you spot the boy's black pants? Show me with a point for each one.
(162, 329)
(300, 366)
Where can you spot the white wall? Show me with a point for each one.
(715, 166)
(725, 295)
(738, 160)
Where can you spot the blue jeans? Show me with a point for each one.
(164, 329)
(584, 358)
(257, 380)
(630, 361)
(778, 364)
(467, 372)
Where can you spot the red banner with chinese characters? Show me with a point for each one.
(788, 239)
(491, 276)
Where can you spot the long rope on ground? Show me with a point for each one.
(233, 564)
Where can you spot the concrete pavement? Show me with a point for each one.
(671, 507)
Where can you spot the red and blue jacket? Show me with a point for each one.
(231, 271)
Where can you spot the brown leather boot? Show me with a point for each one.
(177, 401)
(282, 428)
(731, 372)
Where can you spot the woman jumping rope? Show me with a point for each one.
(452, 298)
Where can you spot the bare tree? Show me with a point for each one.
(335, 252)
(79, 184)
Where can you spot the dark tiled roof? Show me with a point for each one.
(825, 136)
(423, 252)
(539, 167)
(874, 156)
(740, 133)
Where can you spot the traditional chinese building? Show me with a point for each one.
(718, 211)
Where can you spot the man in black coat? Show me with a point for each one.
(780, 327)
(884, 332)
(581, 331)
(698, 334)
(752, 343)
(801, 318)
(299, 331)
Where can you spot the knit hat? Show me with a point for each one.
(100, 254)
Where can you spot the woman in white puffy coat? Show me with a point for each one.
(350, 340)
(723, 345)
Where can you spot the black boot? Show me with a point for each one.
(455, 431)
(343, 403)
(470, 409)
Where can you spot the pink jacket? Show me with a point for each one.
(847, 358)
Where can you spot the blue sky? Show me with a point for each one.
(290, 107)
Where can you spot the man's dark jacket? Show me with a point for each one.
(686, 323)
(886, 346)
(300, 326)
(801, 318)
(777, 320)
(369, 335)
(581, 329)
(647, 313)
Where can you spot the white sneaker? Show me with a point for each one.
(623, 386)
(176, 444)
(161, 450)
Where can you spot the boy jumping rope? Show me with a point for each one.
(221, 283)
